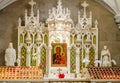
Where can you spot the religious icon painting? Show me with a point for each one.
(59, 55)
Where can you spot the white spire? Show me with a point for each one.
(38, 15)
(84, 4)
(26, 16)
(96, 23)
(19, 21)
(32, 3)
(59, 13)
(59, 6)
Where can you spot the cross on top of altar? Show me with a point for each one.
(32, 3)
(84, 20)
(59, 5)
(84, 5)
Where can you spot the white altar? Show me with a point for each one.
(61, 48)
(77, 43)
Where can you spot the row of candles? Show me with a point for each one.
(104, 72)
(20, 73)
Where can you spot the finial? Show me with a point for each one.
(26, 16)
(32, 3)
(38, 14)
(96, 23)
(59, 2)
(25, 12)
(84, 4)
(59, 6)
(19, 21)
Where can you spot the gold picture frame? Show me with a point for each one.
(59, 55)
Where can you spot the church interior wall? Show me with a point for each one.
(109, 34)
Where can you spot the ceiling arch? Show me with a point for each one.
(4, 3)
(113, 4)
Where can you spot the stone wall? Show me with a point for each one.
(109, 34)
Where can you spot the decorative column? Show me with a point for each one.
(49, 60)
(68, 60)
(96, 48)
(77, 61)
(117, 16)
(38, 56)
(28, 57)
(28, 43)
(86, 60)
(87, 48)
(117, 20)
(78, 44)
(38, 43)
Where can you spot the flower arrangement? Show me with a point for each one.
(42, 65)
(74, 67)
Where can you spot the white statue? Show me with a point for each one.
(10, 55)
(105, 57)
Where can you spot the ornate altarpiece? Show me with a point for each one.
(35, 40)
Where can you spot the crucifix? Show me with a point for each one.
(59, 70)
(32, 3)
(84, 5)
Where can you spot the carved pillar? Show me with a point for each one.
(68, 60)
(86, 56)
(28, 57)
(77, 61)
(117, 20)
(38, 56)
(96, 57)
(49, 59)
